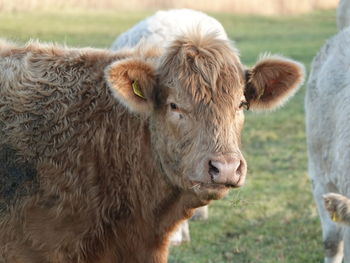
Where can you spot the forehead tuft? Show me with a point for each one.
(206, 66)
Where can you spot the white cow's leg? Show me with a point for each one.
(182, 234)
(201, 213)
(332, 233)
(347, 244)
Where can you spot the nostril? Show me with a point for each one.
(239, 169)
(213, 170)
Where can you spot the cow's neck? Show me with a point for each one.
(151, 208)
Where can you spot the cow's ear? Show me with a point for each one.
(132, 82)
(272, 81)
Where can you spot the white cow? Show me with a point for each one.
(343, 14)
(327, 106)
(160, 29)
(163, 26)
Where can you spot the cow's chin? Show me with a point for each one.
(209, 191)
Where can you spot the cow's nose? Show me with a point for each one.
(227, 170)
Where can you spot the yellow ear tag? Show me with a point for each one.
(334, 217)
(136, 89)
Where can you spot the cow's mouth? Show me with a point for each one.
(213, 185)
(210, 190)
(210, 185)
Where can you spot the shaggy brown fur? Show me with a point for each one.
(58, 115)
(215, 63)
(102, 174)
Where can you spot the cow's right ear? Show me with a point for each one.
(132, 82)
(272, 81)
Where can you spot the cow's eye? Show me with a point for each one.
(173, 106)
(244, 104)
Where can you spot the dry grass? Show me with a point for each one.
(262, 7)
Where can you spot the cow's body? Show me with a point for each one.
(104, 154)
(64, 132)
(328, 133)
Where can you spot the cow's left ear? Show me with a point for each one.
(272, 81)
(132, 82)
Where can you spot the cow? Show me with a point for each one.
(343, 14)
(160, 29)
(165, 25)
(103, 154)
(328, 137)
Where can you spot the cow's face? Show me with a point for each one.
(196, 111)
(198, 117)
(198, 142)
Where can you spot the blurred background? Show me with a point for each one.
(262, 7)
(273, 218)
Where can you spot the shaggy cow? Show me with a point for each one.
(160, 29)
(328, 133)
(101, 162)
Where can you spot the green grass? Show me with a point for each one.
(273, 218)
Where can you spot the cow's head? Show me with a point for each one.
(196, 108)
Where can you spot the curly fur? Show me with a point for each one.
(93, 203)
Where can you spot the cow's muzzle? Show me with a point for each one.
(229, 170)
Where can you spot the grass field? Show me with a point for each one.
(273, 218)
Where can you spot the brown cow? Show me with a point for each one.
(100, 162)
